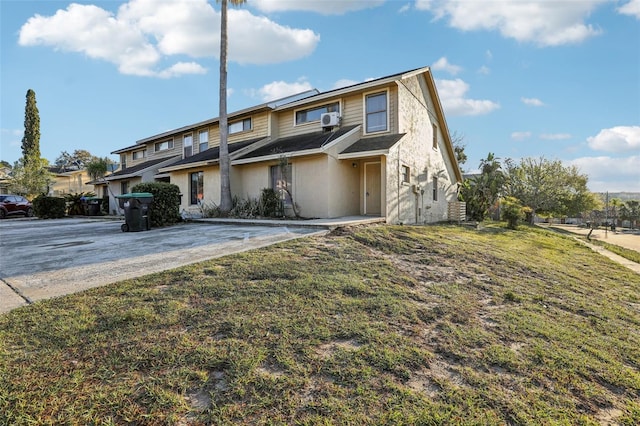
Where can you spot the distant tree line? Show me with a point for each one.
(533, 186)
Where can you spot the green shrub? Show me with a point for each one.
(270, 204)
(76, 204)
(165, 209)
(513, 211)
(46, 207)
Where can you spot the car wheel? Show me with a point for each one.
(3, 214)
(125, 228)
(29, 212)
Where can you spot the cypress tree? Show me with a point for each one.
(31, 138)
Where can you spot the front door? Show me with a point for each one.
(372, 194)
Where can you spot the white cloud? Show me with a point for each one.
(444, 65)
(405, 8)
(555, 136)
(452, 94)
(181, 68)
(632, 8)
(546, 23)
(324, 7)
(610, 173)
(532, 102)
(145, 33)
(520, 136)
(484, 70)
(616, 139)
(281, 89)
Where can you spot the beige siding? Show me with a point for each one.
(352, 112)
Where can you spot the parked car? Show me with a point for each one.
(11, 205)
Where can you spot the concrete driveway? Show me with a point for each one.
(41, 259)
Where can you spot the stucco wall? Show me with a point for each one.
(415, 150)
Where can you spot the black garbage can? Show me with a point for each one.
(136, 211)
(93, 206)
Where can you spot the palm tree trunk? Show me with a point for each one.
(225, 182)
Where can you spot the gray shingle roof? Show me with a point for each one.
(375, 143)
(296, 143)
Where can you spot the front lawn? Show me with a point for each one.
(374, 325)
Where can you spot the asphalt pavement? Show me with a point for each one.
(41, 259)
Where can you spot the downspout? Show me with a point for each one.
(398, 179)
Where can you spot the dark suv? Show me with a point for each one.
(14, 204)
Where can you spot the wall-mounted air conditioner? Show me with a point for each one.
(330, 119)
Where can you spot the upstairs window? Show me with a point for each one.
(139, 155)
(313, 114)
(434, 128)
(187, 145)
(123, 161)
(240, 126)
(163, 146)
(203, 139)
(376, 112)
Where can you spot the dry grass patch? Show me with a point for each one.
(374, 325)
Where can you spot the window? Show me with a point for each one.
(281, 182)
(435, 136)
(138, 155)
(376, 112)
(124, 187)
(187, 145)
(163, 146)
(203, 139)
(240, 126)
(435, 188)
(313, 114)
(196, 187)
(123, 161)
(406, 174)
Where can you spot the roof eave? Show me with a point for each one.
(362, 154)
(277, 156)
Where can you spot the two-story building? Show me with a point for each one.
(379, 148)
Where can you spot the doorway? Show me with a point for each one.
(372, 189)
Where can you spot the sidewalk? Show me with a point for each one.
(623, 238)
(627, 240)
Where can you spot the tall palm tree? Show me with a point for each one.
(225, 181)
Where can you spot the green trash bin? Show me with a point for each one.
(136, 211)
(93, 206)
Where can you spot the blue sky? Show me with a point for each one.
(559, 79)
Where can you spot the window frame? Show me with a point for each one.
(196, 197)
(158, 146)
(367, 114)
(188, 137)
(405, 174)
(242, 123)
(141, 152)
(275, 177)
(200, 142)
(435, 188)
(124, 187)
(320, 109)
(434, 142)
